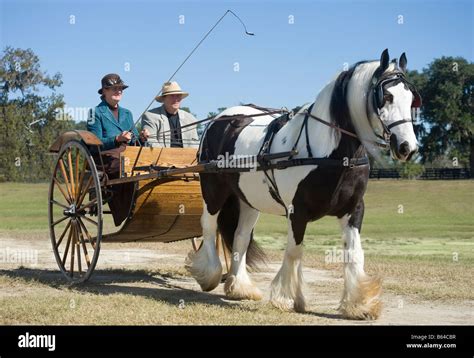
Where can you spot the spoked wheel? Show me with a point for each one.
(75, 212)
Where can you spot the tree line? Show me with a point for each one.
(32, 116)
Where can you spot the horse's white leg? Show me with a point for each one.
(238, 284)
(361, 297)
(204, 264)
(287, 286)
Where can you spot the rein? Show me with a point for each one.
(346, 132)
(284, 111)
(232, 117)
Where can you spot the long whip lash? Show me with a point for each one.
(191, 53)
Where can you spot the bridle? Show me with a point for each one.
(378, 86)
(377, 98)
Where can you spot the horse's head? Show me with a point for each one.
(393, 100)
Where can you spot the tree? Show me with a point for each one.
(447, 89)
(29, 121)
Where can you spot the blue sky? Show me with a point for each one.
(283, 65)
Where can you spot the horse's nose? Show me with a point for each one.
(404, 149)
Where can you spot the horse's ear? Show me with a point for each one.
(384, 60)
(403, 62)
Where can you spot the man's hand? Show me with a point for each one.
(124, 137)
(144, 134)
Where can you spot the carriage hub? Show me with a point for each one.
(71, 212)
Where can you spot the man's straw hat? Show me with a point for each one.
(170, 88)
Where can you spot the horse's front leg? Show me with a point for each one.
(287, 286)
(238, 284)
(204, 264)
(361, 297)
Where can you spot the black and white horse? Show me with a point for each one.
(371, 99)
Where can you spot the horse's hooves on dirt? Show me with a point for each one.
(241, 291)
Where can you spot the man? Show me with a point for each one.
(114, 126)
(162, 126)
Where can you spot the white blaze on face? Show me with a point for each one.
(398, 110)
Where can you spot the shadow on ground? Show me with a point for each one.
(114, 281)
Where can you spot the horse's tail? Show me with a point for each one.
(227, 222)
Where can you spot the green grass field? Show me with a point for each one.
(414, 218)
(417, 236)
(402, 217)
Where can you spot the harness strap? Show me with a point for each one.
(326, 162)
(397, 123)
(308, 113)
(235, 116)
(303, 125)
(264, 158)
(272, 129)
(377, 91)
(273, 189)
(342, 130)
(308, 146)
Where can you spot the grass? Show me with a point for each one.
(435, 219)
(137, 311)
(24, 208)
(430, 278)
(129, 293)
(431, 219)
(441, 209)
(429, 209)
(425, 252)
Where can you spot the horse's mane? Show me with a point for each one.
(339, 108)
(348, 107)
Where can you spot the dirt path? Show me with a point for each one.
(323, 287)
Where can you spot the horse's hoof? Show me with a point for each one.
(283, 304)
(364, 303)
(241, 291)
(206, 272)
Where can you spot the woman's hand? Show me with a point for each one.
(123, 137)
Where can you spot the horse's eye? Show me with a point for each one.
(388, 97)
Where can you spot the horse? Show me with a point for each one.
(362, 107)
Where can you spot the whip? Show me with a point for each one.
(190, 54)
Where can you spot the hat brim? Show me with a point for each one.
(100, 90)
(162, 97)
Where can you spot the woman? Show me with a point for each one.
(114, 126)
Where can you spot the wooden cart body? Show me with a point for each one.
(164, 210)
(166, 205)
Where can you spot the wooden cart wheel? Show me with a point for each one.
(75, 212)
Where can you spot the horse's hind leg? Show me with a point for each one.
(287, 286)
(204, 264)
(361, 297)
(238, 284)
